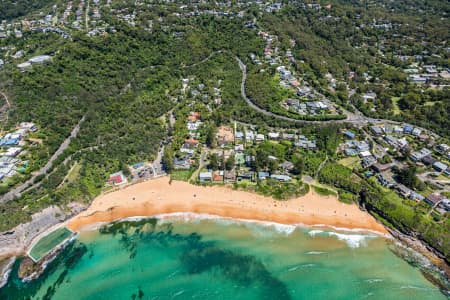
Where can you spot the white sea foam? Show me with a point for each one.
(257, 227)
(315, 232)
(316, 252)
(265, 228)
(374, 280)
(352, 240)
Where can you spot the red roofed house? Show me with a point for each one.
(194, 117)
(190, 143)
(117, 178)
(218, 176)
(295, 83)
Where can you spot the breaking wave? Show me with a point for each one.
(352, 240)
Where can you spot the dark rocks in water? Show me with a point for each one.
(28, 267)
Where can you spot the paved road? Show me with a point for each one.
(356, 117)
(6, 98)
(445, 183)
(157, 166)
(18, 190)
(6, 107)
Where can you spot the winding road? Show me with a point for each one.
(19, 189)
(356, 118)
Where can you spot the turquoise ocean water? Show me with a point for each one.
(177, 258)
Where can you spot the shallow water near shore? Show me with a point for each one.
(179, 258)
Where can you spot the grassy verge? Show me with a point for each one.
(181, 175)
(324, 191)
(277, 190)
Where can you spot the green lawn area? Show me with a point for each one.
(47, 243)
(430, 103)
(181, 175)
(324, 191)
(351, 161)
(74, 172)
(395, 107)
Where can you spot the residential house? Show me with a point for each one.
(368, 161)
(350, 152)
(217, 176)
(229, 176)
(263, 175)
(190, 143)
(250, 135)
(287, 166)
(418, 155)
(434, 199)
(12, 152)
(416, 131)
(194, 117)
(205, 176)
(376, 130)
(239, 148)
(274, 135)
(439, 166)
(403, 190)
(280, 177)
(225, 135)
(349, 134)
(245, 176)
(239, 135)
(408, 129)
(429, 160)
(415, 196)
(117, 178)
(182, 163)
(365, 154)
(260, 137)
(28, 126)
(379, 168)
(288, 136)
(383, 181)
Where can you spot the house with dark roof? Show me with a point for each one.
(429, 160)
(440, 167)
(349, 134)
(403, 190)
(379, 168)
(434, 199)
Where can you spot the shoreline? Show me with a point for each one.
(159, 197)
(189, 217)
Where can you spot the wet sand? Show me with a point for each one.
(157, 197)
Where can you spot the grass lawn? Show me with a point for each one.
(48, 242)
(74, 172)
(351, 161)
(324, 191)
(430, 103)
(181, 175)
(395, 107)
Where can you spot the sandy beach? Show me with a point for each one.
(157, 196)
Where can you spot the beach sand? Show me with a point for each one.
(157, 196)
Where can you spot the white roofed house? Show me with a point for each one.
(250, 136)
(12, 151)
(260, 137)
(274, 135)
(205, 176)
(28, 126)
(40, 59)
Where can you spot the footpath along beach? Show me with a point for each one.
(158, 197)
